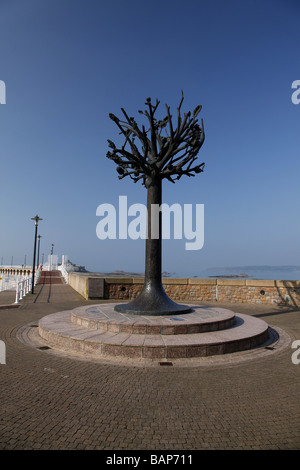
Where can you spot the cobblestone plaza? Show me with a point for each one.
(55, 401)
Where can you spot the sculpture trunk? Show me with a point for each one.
(153, 258)
(153, 300)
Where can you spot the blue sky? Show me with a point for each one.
(67, 64)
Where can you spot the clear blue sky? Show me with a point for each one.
(67, 64)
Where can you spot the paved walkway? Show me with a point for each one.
(52, 401)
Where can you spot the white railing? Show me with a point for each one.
(37, 275)
(64, 272)
(23, 288)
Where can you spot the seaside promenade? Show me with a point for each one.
(53, 401)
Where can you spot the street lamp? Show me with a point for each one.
(51, 256)
(38, 260)
(36, 219)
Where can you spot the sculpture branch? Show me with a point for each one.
(160, 147)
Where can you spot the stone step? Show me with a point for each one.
(58, 331)
(201, 319)
(50, 277)
(50, 273)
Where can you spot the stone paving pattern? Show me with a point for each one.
(52, 401)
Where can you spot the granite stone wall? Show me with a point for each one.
(212, 290)
(192, 289)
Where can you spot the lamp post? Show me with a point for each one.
(51, 256)
(36, 219)
(38, 256)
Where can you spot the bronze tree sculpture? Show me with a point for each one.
(163, 152)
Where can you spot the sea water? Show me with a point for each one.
(242, 273)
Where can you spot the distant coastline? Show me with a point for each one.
(245, 269)
(284, 272)
(120, 273)
(237, 272)
(231, 275)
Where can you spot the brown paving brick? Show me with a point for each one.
(230, 347)
(139, 329)
(167, 330)
(196, 351)
(112, 350)
(176, 351)
(213, 349)
(131, 351)
(91, 347)
(181, 329)
(153, 329)
(154, 352)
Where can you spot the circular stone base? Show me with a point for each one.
(100, 330)
(105, 318)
